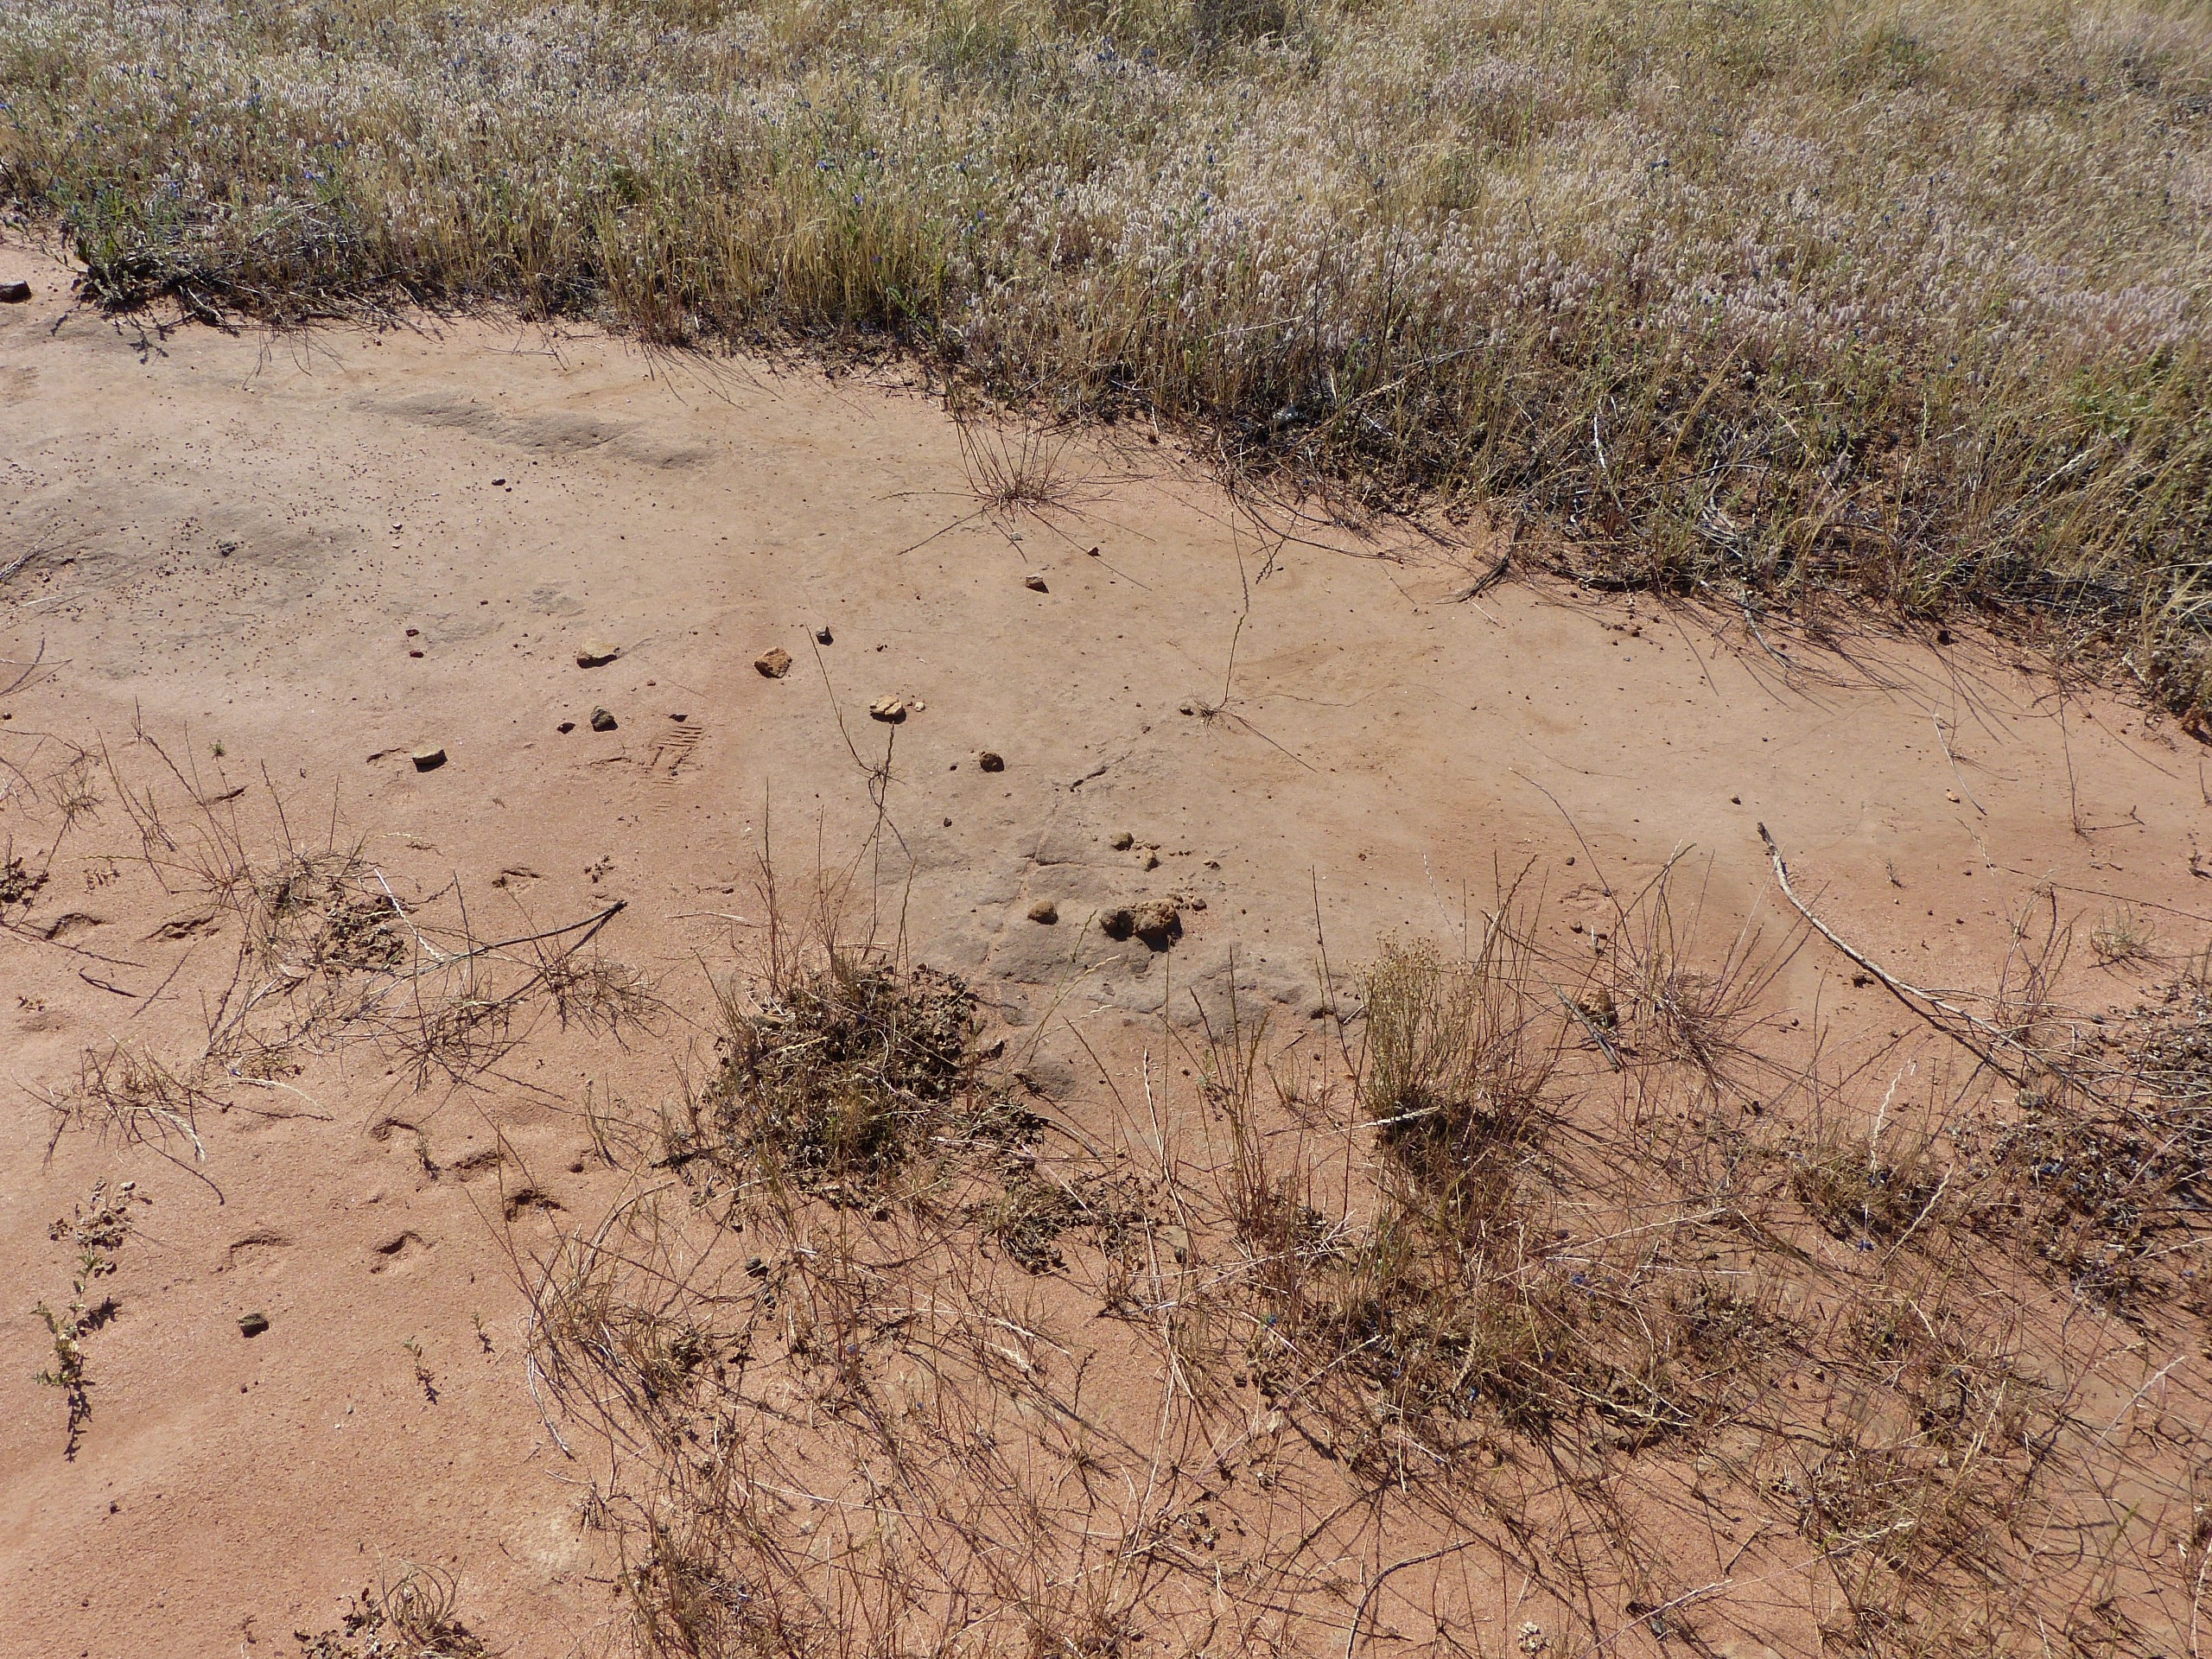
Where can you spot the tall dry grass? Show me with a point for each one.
(1755, 299)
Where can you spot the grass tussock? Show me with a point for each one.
(1754, 303)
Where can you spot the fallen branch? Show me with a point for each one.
(1975, 1035)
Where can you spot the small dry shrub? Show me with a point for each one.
(846, 1074)
(415, 1616)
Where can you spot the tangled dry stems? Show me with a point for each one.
(1566, 1297)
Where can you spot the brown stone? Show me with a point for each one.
(774, 663)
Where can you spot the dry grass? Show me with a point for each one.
(1506, 1305)
(414, 1616)
(1753, 301)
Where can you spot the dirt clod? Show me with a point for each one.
(1158, 922)
(1045, 911)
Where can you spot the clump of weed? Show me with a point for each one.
(415, 1616)
(19, 883)
(1871, 1185)
(97, 1230)
(846, 1075)
(2125, 936)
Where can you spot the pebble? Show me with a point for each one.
(566, 727)
(890, 710)
(14, 293)
(428, 760)
(595, 654)
(991, 760)
(823, 637)
(1121, 841)
(253, 1324)
(774, 663)
(1035, 582)
(1045, 911)
(601, 720)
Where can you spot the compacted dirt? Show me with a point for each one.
(291, 562)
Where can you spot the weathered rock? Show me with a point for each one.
(1121, 841)
(774, 663)
(890, 710)
(1035, 582)
(428, 758)
(991, 760)
(601, 720)
(566, 727)
(1117, 922)
(594, 653)
(823, 637)
(253, 1324)
(14, 293)
(1045, 911)
(1158, 922)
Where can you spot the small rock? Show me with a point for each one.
(1121, 841)
(1148, 858)
(1118, 922)
(774, 663)
(1045, 911)
(679, 719)
(1035, 582)
(566, 727)
(253, 1324)
(890, 710)
(593, 654)
(14, 293)
(428, 760)
(991, 760)
(1158, 922)
(823, 637)
(601, 720)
